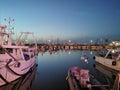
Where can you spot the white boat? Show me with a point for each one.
(16, 59)
(81, 79)
(109, 59)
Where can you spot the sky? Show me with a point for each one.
(75, 20)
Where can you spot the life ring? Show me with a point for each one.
(113, 62)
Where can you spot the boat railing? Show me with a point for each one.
(118, 58)
(100, 85)
(101, 55)
(8, 53)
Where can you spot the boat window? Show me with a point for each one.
(113, 55)
(109, 56)
(10, 50)
(2, 51)
(24, 50)
(31, 50)
(102, 53)
(26, 56)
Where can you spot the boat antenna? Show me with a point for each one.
(9, 20)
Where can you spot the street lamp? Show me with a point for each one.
(69, 41)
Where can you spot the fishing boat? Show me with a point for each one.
(81, 79)
(109, 59)
(16, 58)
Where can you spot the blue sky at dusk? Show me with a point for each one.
(64, 19)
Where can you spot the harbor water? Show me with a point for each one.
(52, 70)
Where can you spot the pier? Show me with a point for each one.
(55, 47)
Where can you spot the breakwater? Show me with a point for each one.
(54, 47)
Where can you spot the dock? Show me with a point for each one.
(55, 47)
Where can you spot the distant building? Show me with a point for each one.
(115, 44)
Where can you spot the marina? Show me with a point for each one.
(27, 65)
(53, 69)
(60, 45)
(61, 61)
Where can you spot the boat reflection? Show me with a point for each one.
(84, 57)
(23, 83)
(109, 75)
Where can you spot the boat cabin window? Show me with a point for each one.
(102, 53)
(109, 56)
(10, 50)
(113, 55)
(25, 50)
(26, 56)
(2, 51)
(31, 50)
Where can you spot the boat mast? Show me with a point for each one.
(10, 30)
(2, 32)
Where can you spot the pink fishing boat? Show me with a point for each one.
(81, 79)
(16, 58)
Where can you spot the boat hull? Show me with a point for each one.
(12, 72)
(75, 85)
(108, 63)
(22, 83)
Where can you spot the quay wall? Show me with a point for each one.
(43, 47)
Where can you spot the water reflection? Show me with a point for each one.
(108, 74)
(23, 83)
(84, 57)
(52, 68)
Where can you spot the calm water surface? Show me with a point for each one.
(52, 69)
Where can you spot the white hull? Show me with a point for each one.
(110, 59)
(108, 63)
